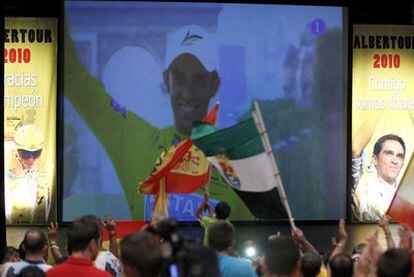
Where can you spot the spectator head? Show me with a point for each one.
(310, 264)
(35, 244)
(220, 235)
(31, 271)
(394, 262)
(140, 255)
(325, 257)
(357, 251)
(201, 262)
(84, 235)
(222, 210)
(9, 254)
(281, 257)
(341, 265)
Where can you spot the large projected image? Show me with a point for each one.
(131, 92)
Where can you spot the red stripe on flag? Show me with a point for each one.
(176, 182)
(149, 186)
(182, 183)
(179, 183)
(124, 228)
(402, 211)
(178, 155)
(211, 117)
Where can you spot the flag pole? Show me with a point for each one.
(257, 115)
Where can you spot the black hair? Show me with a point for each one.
(310, 264)
(201, 261)
(222, 210)
(141, 252)
(378, 145)
(7, 253)
(395, 263)
(281, 255)
(82, 231)
(220, 235)
(341, 265)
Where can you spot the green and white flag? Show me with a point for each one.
(239, 154)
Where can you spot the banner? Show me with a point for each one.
(382, 115)
(30, 72)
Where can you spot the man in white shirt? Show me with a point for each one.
(36, 247)
(374, 194)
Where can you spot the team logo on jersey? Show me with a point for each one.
(228, 172)
(118, 108)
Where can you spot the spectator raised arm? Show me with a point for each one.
(385, 226)
(52, 235)
(204, 205)
(110, 225)
(340, 245)
(299, 236)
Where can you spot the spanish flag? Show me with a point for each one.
(123, 228)
(182, 168)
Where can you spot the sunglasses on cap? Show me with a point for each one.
(25, 154)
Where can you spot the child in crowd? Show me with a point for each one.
(221, 211)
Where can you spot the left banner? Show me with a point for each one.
(30, 93)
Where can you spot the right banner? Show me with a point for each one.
(382, 116)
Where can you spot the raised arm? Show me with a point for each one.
(52, 235)
(131, 142)
(109, 120)
(204, 205)
(339, 246)
(110, 225)
(385, 226)
(299, 236)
